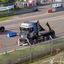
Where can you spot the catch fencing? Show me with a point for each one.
(31, 52)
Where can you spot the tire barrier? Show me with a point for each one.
(11, 34)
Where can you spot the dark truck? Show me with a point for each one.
(34, 32)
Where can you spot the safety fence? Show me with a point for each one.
(31, 52)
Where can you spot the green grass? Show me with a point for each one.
(26, 51)
(12, 10)
(5, 18)
(23, 52)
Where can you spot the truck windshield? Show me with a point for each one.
(25, 30)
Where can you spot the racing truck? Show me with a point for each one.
(2, 28)
(32, 32)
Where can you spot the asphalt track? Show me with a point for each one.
(56, 21)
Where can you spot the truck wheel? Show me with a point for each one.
(47, 37)
(34, 41)
(44, 38)
(2, 29)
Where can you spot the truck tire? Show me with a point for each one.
(45, 38)
(2, 29)
(34, 41)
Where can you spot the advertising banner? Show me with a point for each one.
(6, 8)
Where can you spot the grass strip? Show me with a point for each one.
(5, 18)
(26, 51)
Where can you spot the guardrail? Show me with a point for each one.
(18, 12)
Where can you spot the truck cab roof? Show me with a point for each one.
(28, 24)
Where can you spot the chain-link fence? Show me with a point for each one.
(31, 52)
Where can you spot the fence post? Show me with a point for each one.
(30, 49)
(51, 44)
